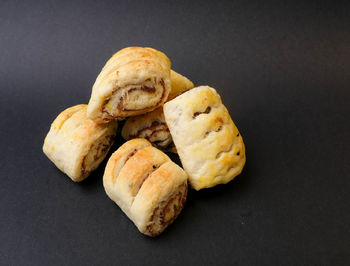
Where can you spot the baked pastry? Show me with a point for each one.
(152, 126)
(179, 84)
(134, 81)
(149, 188)
(208, 143)
(77, 145)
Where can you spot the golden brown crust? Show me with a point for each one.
(77, 145)
(120, 157)
(147, 181)
(137, 169)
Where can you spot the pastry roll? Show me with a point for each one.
(77, 145)
(208, 143)
(149, 188)
(152, 126)
(134, 81)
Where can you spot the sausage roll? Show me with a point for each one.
(149, 188)
(76, 144)
(208, 143)
(134, 81)
(152, 126)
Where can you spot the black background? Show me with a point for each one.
(283, 71)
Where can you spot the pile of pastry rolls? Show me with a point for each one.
(161, 111)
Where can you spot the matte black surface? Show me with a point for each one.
(283, 71)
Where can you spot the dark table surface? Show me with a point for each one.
(283, 71)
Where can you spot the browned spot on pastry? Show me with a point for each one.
(219, 119)
(207, 111)
(167, 211)
(224, 151)
(238, 153)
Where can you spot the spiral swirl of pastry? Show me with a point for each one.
(134, 81)
(96, 153)
(149, 188)
(77, 145)
(150, 126)
(167, 211)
